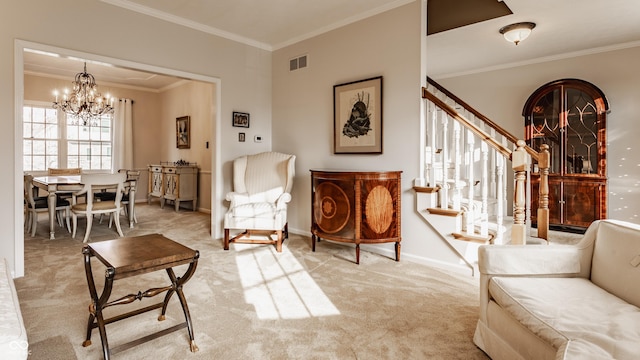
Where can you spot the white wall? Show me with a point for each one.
(389, 45)
(501, 95)
(94, 27)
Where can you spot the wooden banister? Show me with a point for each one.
(500, 130)
(468, 124)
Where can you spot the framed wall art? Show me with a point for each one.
(183, 132)
(240, 119)
(357, 117)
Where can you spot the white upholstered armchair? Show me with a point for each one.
(258, 203)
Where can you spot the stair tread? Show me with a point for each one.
(473, 237)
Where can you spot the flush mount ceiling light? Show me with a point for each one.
(517, 32)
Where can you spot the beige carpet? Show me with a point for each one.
(251, 302)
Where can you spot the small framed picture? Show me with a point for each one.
(241, 137)
(240, 119)
(183, 132)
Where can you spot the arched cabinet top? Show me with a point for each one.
(601, 102)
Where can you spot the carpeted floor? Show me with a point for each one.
(251, 302)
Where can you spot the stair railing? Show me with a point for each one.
(496, 146)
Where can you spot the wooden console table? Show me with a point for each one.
(360, 207)
(133, 256)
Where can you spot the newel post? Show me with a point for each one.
(519, 161)
(543, 201)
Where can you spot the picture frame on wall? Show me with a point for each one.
(357, 117)
(240, 119)
(183, 132)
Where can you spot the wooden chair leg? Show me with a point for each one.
(279, 241)
(226, 239)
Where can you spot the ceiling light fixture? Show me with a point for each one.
(84, 102)
(517, 32)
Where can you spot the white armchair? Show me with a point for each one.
(258, 203)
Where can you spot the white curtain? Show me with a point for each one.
(122, 135)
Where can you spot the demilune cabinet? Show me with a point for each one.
(173, 183)
(360, 207)
(569, 116)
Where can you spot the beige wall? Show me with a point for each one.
(244, 73)
(193, 99)
(388, 44)
(501, 95)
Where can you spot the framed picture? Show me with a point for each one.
(357, 117)
(240, 119)
(183, 132)
(241, 137)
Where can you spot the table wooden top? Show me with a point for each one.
(130, 256)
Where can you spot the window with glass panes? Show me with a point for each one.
(40, 138)
(46, 143)
(89, 147)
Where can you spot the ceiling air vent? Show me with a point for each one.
(298, 63)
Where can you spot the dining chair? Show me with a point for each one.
(133, 177)
(64, 171)
(36, 205)
(95, 183)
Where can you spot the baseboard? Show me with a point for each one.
(446, 266)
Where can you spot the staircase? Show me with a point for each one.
(466, 159)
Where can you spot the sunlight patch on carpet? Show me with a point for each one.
(278, 286)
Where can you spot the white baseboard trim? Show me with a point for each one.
(446, 266)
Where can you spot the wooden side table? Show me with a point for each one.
(360, 207)
(131, 256)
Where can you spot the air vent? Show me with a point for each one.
(298, 63)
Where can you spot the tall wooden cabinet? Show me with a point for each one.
(569, 115)
(171, 182)
(356, 207)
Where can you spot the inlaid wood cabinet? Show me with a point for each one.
(173, 183)
(569, 116)
(356, 207)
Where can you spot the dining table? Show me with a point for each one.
(67, 184)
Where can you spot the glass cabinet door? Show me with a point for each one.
(582, 133)
(544, 127)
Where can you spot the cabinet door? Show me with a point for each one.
(581, 202)
(155, 184)
(555, 203)
(543, 127)
(334, 207)
(170, 188)
(581, 132)
(379, 209)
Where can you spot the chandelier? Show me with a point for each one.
(84, 102)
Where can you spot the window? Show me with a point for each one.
(57, 140)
